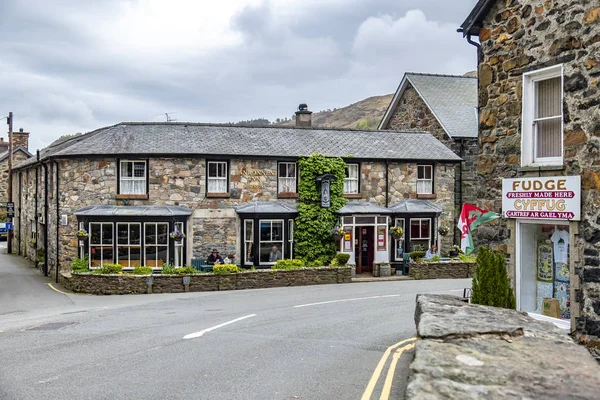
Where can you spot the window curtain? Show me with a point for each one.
(351, 182)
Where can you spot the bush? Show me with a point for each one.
(80, 265)
(109, 269)
(187, 270)
(467, 258)
(142, 271)
(288, 264)
(168, 270)
(342, 259)
(491, 285)
(417, 255)
(433, 259)
(222, 269)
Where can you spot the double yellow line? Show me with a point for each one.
(406, 344)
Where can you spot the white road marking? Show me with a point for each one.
(202, 332)
(49, 380)
(344, 300)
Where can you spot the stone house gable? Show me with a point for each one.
(519, 38)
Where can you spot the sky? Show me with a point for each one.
(69, 66)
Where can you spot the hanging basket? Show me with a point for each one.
(396, 236)
(443, 230)
(82, 238)
(337, 237)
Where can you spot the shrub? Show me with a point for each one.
(109, 269)
(417, 255)
(222, 269)
(168, 270)
(467, 258)
(142, 271)
(341, 259)
(288, 264)
(80, 265)
(491, 285)
(433, 259)
(187, 270)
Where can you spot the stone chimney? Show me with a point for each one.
(3, 146)
(303, 117)
(21, 139)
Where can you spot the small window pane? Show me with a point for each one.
(107, 237)
(150, 234)
(425, 228)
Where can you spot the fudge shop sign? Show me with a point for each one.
(557, 198)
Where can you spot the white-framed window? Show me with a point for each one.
(542, 130)
(424, 179)
(291, 237)
(271, 241)
(249, 241)
(156, 244)
(179, 261)
(133, 179)
(420, 233)
(286, 178)
(399, 243)
(217, 177)
(101, 244)
(129, 244)
(351, 181)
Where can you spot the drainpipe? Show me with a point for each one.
(45, 219)
(35, 213)
(460, 185)
(478, 45)
(57, 221)
(387, 182)
(20, 208)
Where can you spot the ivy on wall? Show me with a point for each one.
(314, 223)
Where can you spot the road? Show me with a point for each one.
(314, 342)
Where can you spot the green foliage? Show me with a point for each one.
(341, 259)
(491, 285)
(467, 258)
(80, 265)
(417, 255)
(221, 269)
(288, 264)
(314, 223)
(40, 255)
(185, 270)
(168, 269)
(433, 259)
(142, 271)
(109, 269)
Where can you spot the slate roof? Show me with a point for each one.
(169, 139)
(357, 207)
(415, 207)
(451, 98)
(472, 25)
(134, 211)
(4, 155)
(267, 207)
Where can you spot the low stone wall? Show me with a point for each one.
(134, 284)
(441, 270)
(468, 351)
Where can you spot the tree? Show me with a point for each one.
(491, 285)
(314, 223)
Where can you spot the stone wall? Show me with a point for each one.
(17, 158)
(136, 284)
(441, 270)
(522, 36)
(467, 351)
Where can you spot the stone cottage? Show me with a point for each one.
(539, 128)
(20, 153)
(446, 107)
(227, 187)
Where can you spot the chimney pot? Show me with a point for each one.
(303, 116)
(20, 129)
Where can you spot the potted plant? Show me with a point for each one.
(385, 270)
(396, 232)
(82, 234)
(455, 251)
(338, 233)
(443, 230)
(177, 236)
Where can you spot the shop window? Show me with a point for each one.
(156, 244)
(129, 241)
(271, 241)
(399, 242)
(133, 177)
(217, 177)
(178, 245)
(542, 130)
(101, 244)
(287, 177)
(424, 179)
(351, 183)
(248, 242)
(420, 233)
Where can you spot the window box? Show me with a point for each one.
(426, 196)
(218, 195)
(287, 195)
(353, 195)
(131, 197)
(542, 126)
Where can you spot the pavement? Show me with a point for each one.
(311, 342)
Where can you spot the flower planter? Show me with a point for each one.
(337, 238)
(385, 270)
(453, 253)
(376, 270)
(396, 237)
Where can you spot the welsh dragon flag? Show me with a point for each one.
(470, 218)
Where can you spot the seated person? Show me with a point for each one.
(431, 252)
(214, 258)
(275, 254)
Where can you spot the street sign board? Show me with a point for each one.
(10, 209)
(9, 226)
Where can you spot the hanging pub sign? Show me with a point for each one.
(325, 181)
(557, 198)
